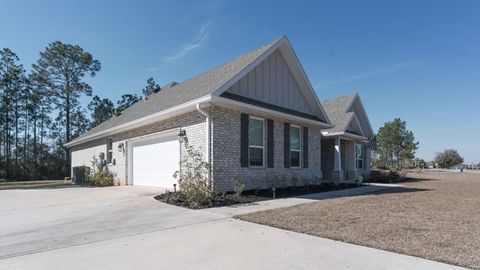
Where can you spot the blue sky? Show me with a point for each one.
(417, 60)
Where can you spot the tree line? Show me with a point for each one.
(40, 110)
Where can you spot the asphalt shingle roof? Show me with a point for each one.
(196, 87)
(336, 109)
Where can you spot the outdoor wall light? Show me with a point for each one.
(121, 147)
(182, 135)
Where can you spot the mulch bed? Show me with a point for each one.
(250, 196)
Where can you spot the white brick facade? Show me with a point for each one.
(225, 149)
(226, 154)
(82, 155)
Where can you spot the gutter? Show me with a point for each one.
(345, 135)
(207, 140)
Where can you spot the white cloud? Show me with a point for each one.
(383, 70)
(197, 42)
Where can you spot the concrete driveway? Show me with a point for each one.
(125, 228)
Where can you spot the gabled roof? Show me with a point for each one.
(336, 109)
(342, 115)
(211, 83)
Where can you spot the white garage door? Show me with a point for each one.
(155, 161)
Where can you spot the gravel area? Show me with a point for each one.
(436, 216)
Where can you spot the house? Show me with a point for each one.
(254, 117)
(344, 156)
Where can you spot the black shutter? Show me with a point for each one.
(244, 140)
(270, 144)
(305, 147)
(286, 145)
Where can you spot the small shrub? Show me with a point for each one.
(384, 176)
(100, 177)
(193, 178)
(239, 187)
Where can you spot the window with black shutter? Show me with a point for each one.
(109, 150)
(244, 140)
(256, 144)
(286, 145)
(305, 147)
(295, 147)
(270, 143)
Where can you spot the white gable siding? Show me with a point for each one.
(272, 82)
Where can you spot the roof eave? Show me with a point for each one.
(344, 134)
(180, 109)
(260, 110)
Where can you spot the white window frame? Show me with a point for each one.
(361, 156)
(300, 147)
(256, 146)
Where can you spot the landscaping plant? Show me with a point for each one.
(193, 178)
(100, 176)
(239, 187)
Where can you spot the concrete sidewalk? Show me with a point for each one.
(233, 210)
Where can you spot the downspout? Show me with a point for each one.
(207, 141)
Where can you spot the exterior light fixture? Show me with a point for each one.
(182, 135)
(121, 147)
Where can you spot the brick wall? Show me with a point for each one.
(193, 123)
(226, 154)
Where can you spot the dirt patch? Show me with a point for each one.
(436, 216)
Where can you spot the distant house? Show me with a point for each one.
(343, 155)
(253, 117)
(431, 165)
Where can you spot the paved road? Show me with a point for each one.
(124, 228)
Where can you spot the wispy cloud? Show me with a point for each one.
(383, 70)
(197, 42)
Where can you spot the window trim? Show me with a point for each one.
(256, 146)
(110, 151)
(358, 145)
(300, 158)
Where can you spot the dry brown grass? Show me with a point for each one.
(435, 216)
(32, 184)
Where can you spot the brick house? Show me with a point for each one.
(252, 118)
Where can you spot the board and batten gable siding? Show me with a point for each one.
(272, 82)
(193, 123)
(226, 148)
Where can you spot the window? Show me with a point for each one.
(295, 146)
(256, 141)
(359, 156)
(109, 150)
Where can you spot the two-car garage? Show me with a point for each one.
(153, 160)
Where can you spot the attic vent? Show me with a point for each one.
(170, 85)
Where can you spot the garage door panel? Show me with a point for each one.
(155, 161)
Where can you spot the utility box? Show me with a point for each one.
(80, 174)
